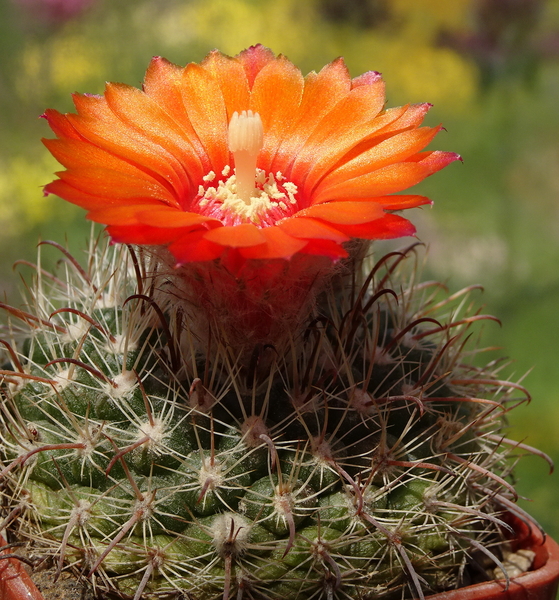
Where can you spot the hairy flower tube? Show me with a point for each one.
(244, 154)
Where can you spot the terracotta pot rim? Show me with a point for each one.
(544, 576)
(16, 584)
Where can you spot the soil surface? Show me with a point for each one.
(67, 587)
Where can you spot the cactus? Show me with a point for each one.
(361, 456)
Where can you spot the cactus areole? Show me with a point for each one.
(234, 400)
(538, 584)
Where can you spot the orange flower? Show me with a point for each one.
(244, 155)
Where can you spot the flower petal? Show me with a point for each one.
(321, 93)
(101, 127)
(348, 212)
(142, 234)
(237, 236)
(206, 110)
(254, 59)
(276, 96)
(163, 83)
(232, 79)
(278, 245)
(307, 228)
(60, 125)
(327, 248)
(401, 202)
(192, 247)
(389, 179)
(394, 149)
(114, 186)
(389, 227)
(71, 194)
(166, 218)
(137, 110)
(337, 133)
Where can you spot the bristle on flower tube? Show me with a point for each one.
(246, 139)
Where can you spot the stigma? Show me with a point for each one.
(245, 139)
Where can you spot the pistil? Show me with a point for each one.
(246, 139)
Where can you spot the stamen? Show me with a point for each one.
(246, 139)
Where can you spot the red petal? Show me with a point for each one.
(308, 229)
(142, 234)
(349, 212)
(389, 227)
(325, 248)
(237, 236)
(192, 247)
(278, 245)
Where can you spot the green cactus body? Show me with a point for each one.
(356, 461)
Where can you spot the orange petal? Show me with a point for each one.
(254, 59)
(137, 110)
(367, 78)
(236, 236)
(231, 76)
(389, 179)
(306, 228)
(163, 83)
(167, 218)
(348, 212)
(413, 115)
(206, 110)
(72, 153)
(394, 149)
(276, 96)
(400, 202)
(71, 194)
(114, 186)
(98, 124)
(278, 245)
(60, 125)
(338, 132)
(321, 93)
(116, 215)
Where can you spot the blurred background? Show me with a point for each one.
(490, 67)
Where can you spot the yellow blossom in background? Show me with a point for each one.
(66, 62)
(21, 204)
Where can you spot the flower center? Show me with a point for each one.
(248, 195)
